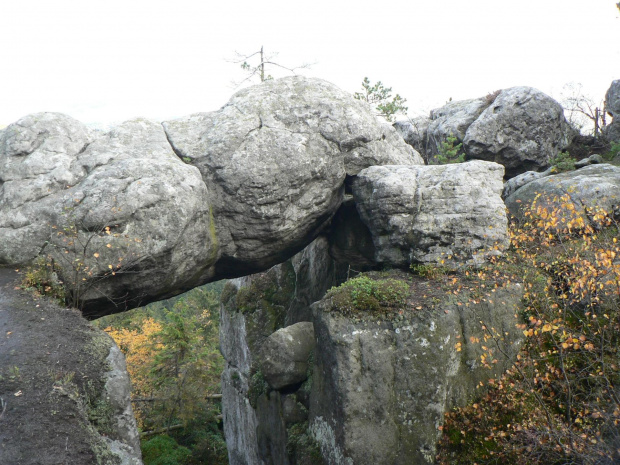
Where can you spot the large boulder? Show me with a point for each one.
(585, 189)
(442, 213)
(522, 129)
(382, 383)
(122, 218)
(38, 157)
(275, 159)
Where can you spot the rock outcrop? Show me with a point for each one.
(522, 130)
(522, 179)
(275, 159)
(414, 132)
(145, 212)
(442, 213)
(379, 382)
(612, 106)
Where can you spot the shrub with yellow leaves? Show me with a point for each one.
(560, 403)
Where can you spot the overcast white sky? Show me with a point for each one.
(107, 61)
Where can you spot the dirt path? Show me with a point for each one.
(48, 363)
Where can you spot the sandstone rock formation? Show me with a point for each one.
(522, 130)
(256, 420)
(442, 213)
(275, 158)
(414, 132)
(381, 386)
(522, 179)
(453, 119)
(127, 221)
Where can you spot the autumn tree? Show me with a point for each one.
(173, 359)
(560, 402)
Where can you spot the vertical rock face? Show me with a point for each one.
(381, 386)
(612, 106)
(118, 394)
(522, 130)
(415, 214)
(380, 382)
(612, 99)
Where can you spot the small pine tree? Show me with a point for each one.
(381, 97)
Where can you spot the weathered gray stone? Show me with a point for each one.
(275, 158)
(284, 355)
(522, 130)
(413, 131)
(450, 213)
(612, 131)
(612, 106)
(522, 179)
(239, 419)
(381, 388)
(271, 171)
(587, 188)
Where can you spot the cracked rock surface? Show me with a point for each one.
(439, 213)
(275, 158)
